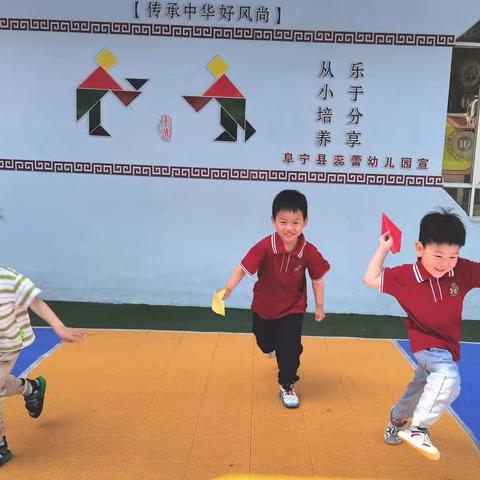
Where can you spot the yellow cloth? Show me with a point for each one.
(218, 305)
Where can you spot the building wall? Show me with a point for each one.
(87, 223)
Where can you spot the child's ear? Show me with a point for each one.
(419, 248)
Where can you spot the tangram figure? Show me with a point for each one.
(96, 86)
(231, 100)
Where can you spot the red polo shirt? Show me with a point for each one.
(433, 306)
(281, 288)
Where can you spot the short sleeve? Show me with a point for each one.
(472, 272)
(24, 292)
(317, 266)
(392, 280)
(253, 259)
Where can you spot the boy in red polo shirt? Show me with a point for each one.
(431, 291)
(280, 293)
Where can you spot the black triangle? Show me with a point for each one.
(99, 132)
(230, 126)
(137, 83)
(225, 137)
(249, 130)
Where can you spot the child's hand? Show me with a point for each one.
(319, 314)
(385, 241)
(227, 293)
(70, 335)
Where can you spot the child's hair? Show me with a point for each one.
(442, 227)
(291, 201)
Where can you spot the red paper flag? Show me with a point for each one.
(395, 232)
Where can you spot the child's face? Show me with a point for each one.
(437, 258)
(289, 226)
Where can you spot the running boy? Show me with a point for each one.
(280, 293)
(431, 291)
(17, 295)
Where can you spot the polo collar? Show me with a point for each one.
(277, 245)
(422, 275)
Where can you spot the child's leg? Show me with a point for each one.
(288, 347)
(9, 385)
(442, 386)
(405, 407)
(263, 331)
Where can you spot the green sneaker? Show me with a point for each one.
(34, 401)
(5, 453)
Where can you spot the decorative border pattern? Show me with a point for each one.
(207, 173)
(226, 33)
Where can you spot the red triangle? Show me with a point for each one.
(395, 232)
(125, 96)
(223, 87)
(100, 80)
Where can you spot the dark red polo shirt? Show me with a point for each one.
(433, 306)
(281, 288)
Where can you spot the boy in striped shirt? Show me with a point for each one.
(17, 295)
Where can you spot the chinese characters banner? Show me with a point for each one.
(228, 92)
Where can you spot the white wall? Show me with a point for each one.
(173, 241)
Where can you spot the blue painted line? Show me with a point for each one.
(467, 406)
(45, 340)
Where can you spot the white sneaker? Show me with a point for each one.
(390, 435)
(270, 354)
(289, 397)
(418, 438)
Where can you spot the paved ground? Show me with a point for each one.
(204, 406)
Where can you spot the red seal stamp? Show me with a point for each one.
(165, 128)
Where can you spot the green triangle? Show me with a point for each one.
(235, 107)
(86, 99)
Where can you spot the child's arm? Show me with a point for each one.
(318, 291)
(375, 267)
(67, 334)
(233, 281)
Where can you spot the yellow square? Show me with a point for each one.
(217, 67)
(106, 59)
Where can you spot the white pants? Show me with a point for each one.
(434, 387)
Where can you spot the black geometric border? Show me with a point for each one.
(226, 33)
(207, 173)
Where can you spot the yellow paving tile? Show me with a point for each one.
(234, 448)
(285, 450)
(281, 472)
(148, 469)
(192, 406)
(336, 442)
(210, 471)
(162, 446)
(183, 423)
(337, 471)
(224, 424)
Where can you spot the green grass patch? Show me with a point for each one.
(200, 319)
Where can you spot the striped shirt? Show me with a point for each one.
(16, 294)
